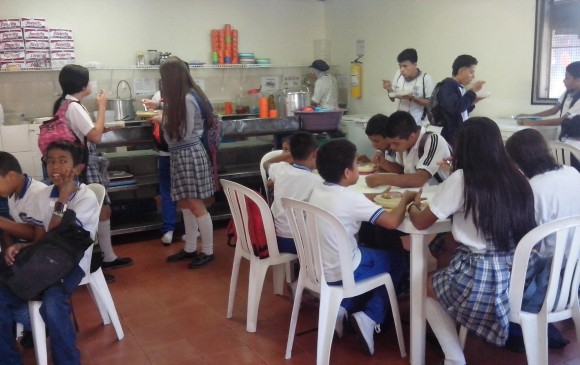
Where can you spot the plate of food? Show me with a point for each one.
(388, 200)
(398, 94)
(147, 114)
(366, 168)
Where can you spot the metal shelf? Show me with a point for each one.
(145, 68)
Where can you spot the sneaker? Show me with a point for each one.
(109, 278)
(181, 255)
(167, 238)
(26, 341)
(339, 327)
(365, 328)
(117, 263)
(200, 260)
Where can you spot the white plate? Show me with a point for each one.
(483, 94)
(388, 203)
(398, 94)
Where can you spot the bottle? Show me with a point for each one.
(140, 59)
(271, 102)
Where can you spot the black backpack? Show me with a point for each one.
(435, 113)
(48, 261)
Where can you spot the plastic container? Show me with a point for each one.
(320, 121)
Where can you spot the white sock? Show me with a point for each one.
(206, 230)
(104, 236)
(445, 330)
(190, 223)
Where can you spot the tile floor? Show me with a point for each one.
(172, 315)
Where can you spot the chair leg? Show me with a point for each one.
(233, 284)
(19, 329)
(278, 274)
(38, 332)
(257, 276)
(101, 291)
(294, 318)
(328, 310)
(396, 315)
(576, 319)
(535, 331)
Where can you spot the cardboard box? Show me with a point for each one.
(37, 59)
(16, 44)
(59, 33)
(60, 58)
(12, 65)
(56, 44)
(12, 55)
(9, 23)
(33, 22)
(33, 43)
(10, 34)
(35, 33)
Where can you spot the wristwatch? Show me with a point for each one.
(59, 209)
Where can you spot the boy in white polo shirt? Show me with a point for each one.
(292, 180)
(64, 166)
(417, 152)
(336, 162)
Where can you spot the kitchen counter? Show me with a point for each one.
(260, 126)
(508, 126)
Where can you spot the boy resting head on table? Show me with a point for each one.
(384, 159)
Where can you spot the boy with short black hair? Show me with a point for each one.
(64, 167)
(384, 158)
(292, 180)
(418, 153)
(336, 162)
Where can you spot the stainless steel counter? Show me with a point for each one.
(260, 126)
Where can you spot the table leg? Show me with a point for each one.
(418, 278)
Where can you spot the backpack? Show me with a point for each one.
(56, 129)
(435, 113)
(45, 263)
(256, 228)
(211, 137)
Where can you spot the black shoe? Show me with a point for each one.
(182, 255)
(200, 260)
(117, 263)
(26, 341)
(109, 278)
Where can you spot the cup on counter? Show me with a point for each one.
(228, 107)
(273, 113)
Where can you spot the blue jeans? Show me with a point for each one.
(375, 303)
(168, 206)
(55, 312)
(286, 245)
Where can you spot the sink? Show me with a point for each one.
(134, 132)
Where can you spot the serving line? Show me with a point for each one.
(419, 263)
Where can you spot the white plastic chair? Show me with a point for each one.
(97, 287)
(237, 195)
(264, 173)
(561, 301)
(563, 152)
(304, 219)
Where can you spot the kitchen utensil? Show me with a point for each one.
(153, 57)
(296, 100)
(124, 108)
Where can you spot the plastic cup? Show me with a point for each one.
(273, 113)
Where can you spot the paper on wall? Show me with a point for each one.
(270, 84)
(145, 86)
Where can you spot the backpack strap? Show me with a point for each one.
(424, 97)
(574, 100)
(422, 151)
(563, 101)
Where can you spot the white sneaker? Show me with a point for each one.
(167, 238)
(339, 327)
(365, 328)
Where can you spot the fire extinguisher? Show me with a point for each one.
(356, 78)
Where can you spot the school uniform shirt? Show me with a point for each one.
(83, 202)
(449, 201)
(564, 102)
(556, 195)
(290, 181)
(421, 87)
(434, 150)
(20, 205)
(326, 91)
(351, 208)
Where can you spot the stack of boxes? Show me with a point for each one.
(26, 43)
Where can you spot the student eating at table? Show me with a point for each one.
(418, 154)
(473, 289)
(384, 158)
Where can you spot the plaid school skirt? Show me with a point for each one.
(96, 170)
(474, 289)
(191, 174)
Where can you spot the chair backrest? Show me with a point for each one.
(237, 195)
(100, 192)
(305, 222)
(263, 171)
(562, 291)
(563, 152)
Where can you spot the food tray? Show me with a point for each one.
(320, 121)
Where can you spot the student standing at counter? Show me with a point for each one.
(567, 102)
(191, 170)
(325, 88)
(414, 83)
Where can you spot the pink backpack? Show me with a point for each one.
(56, 129)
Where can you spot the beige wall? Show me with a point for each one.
(499, 33)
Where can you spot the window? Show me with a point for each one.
(557, 44)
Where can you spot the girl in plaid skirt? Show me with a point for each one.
(191, 169)
(492, 208)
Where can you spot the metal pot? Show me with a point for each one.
(123, 108)
(296, 100)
